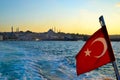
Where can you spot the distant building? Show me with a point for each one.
(50, 32)
(1, 37)
(51, 35)
(12, 29)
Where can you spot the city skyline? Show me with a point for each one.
(70, 16)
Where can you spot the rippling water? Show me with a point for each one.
(48, 60)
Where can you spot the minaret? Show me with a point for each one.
(54, 29)
(12, 29)
(51, 28)
(17, 29)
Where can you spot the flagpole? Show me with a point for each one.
(102, 22)
(116, 70)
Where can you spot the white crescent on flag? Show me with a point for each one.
(102, 40)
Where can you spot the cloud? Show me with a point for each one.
(118, 4)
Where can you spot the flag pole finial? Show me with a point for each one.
(101, 20)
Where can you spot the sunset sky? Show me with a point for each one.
(70, 16)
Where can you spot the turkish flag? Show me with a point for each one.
(95, 53)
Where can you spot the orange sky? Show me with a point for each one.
(70, 16)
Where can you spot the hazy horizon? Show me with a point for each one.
(69, 16)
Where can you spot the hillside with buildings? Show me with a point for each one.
(50, 35)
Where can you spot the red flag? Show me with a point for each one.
(95, 53)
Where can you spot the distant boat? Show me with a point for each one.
(37, 39)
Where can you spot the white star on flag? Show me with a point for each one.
(87, 52)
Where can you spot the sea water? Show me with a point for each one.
(48, 60)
